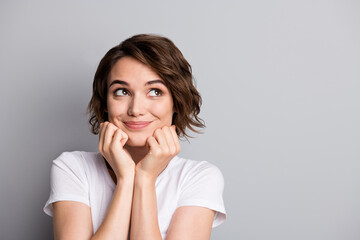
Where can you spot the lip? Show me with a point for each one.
(137, 124)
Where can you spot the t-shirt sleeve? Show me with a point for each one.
(203, 186)
(67, 181)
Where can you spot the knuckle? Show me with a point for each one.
(158, 131)
(166, 151)
(104, 149)
(158, 153)
(116, 132)
(173, 150)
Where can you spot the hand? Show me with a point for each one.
(111, 142)
(163, 146)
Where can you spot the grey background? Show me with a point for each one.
(280, 87)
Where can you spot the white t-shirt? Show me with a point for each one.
(83, 177)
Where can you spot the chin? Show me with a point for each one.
(136, 142)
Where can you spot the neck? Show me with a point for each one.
(137, 153)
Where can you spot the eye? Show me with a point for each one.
(155, 92)
(121, 92)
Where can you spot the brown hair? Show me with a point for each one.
(167, 61)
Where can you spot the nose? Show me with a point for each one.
(136, 106)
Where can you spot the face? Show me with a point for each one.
(138, 102)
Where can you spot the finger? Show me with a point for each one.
(175, 138)
(108, 136)
(169, 139)
(124, 139)
(161, 139)
(153, 145)
(119, 137)
(101, 136)
(100, 127)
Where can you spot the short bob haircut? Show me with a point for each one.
(164, 58)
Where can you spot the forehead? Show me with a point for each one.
(132, 71)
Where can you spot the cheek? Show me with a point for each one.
(163, 111)
(116, 108)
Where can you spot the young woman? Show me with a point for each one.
(136, 187)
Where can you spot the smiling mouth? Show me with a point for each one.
(137, 125)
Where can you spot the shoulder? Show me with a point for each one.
(70, 178)
(193, 170)
(193, 166)
(77, 157)
(77, 161)
(201, 183)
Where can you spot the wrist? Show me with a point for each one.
(128, 176)
(143, 178)
(125, 182)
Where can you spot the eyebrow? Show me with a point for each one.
(126, 84)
